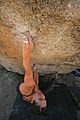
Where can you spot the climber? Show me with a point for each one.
(29, 88)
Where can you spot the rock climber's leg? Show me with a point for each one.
(28, 85)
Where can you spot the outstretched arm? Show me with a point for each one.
(36, 76)
(27, 49)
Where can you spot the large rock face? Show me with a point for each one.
(55, 27)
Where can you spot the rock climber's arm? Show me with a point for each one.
(28, 69)
(27, 50)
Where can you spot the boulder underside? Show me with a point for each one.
(54, 26)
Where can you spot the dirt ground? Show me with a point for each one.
(62, 93)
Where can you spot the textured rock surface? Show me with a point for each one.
(55, 27)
